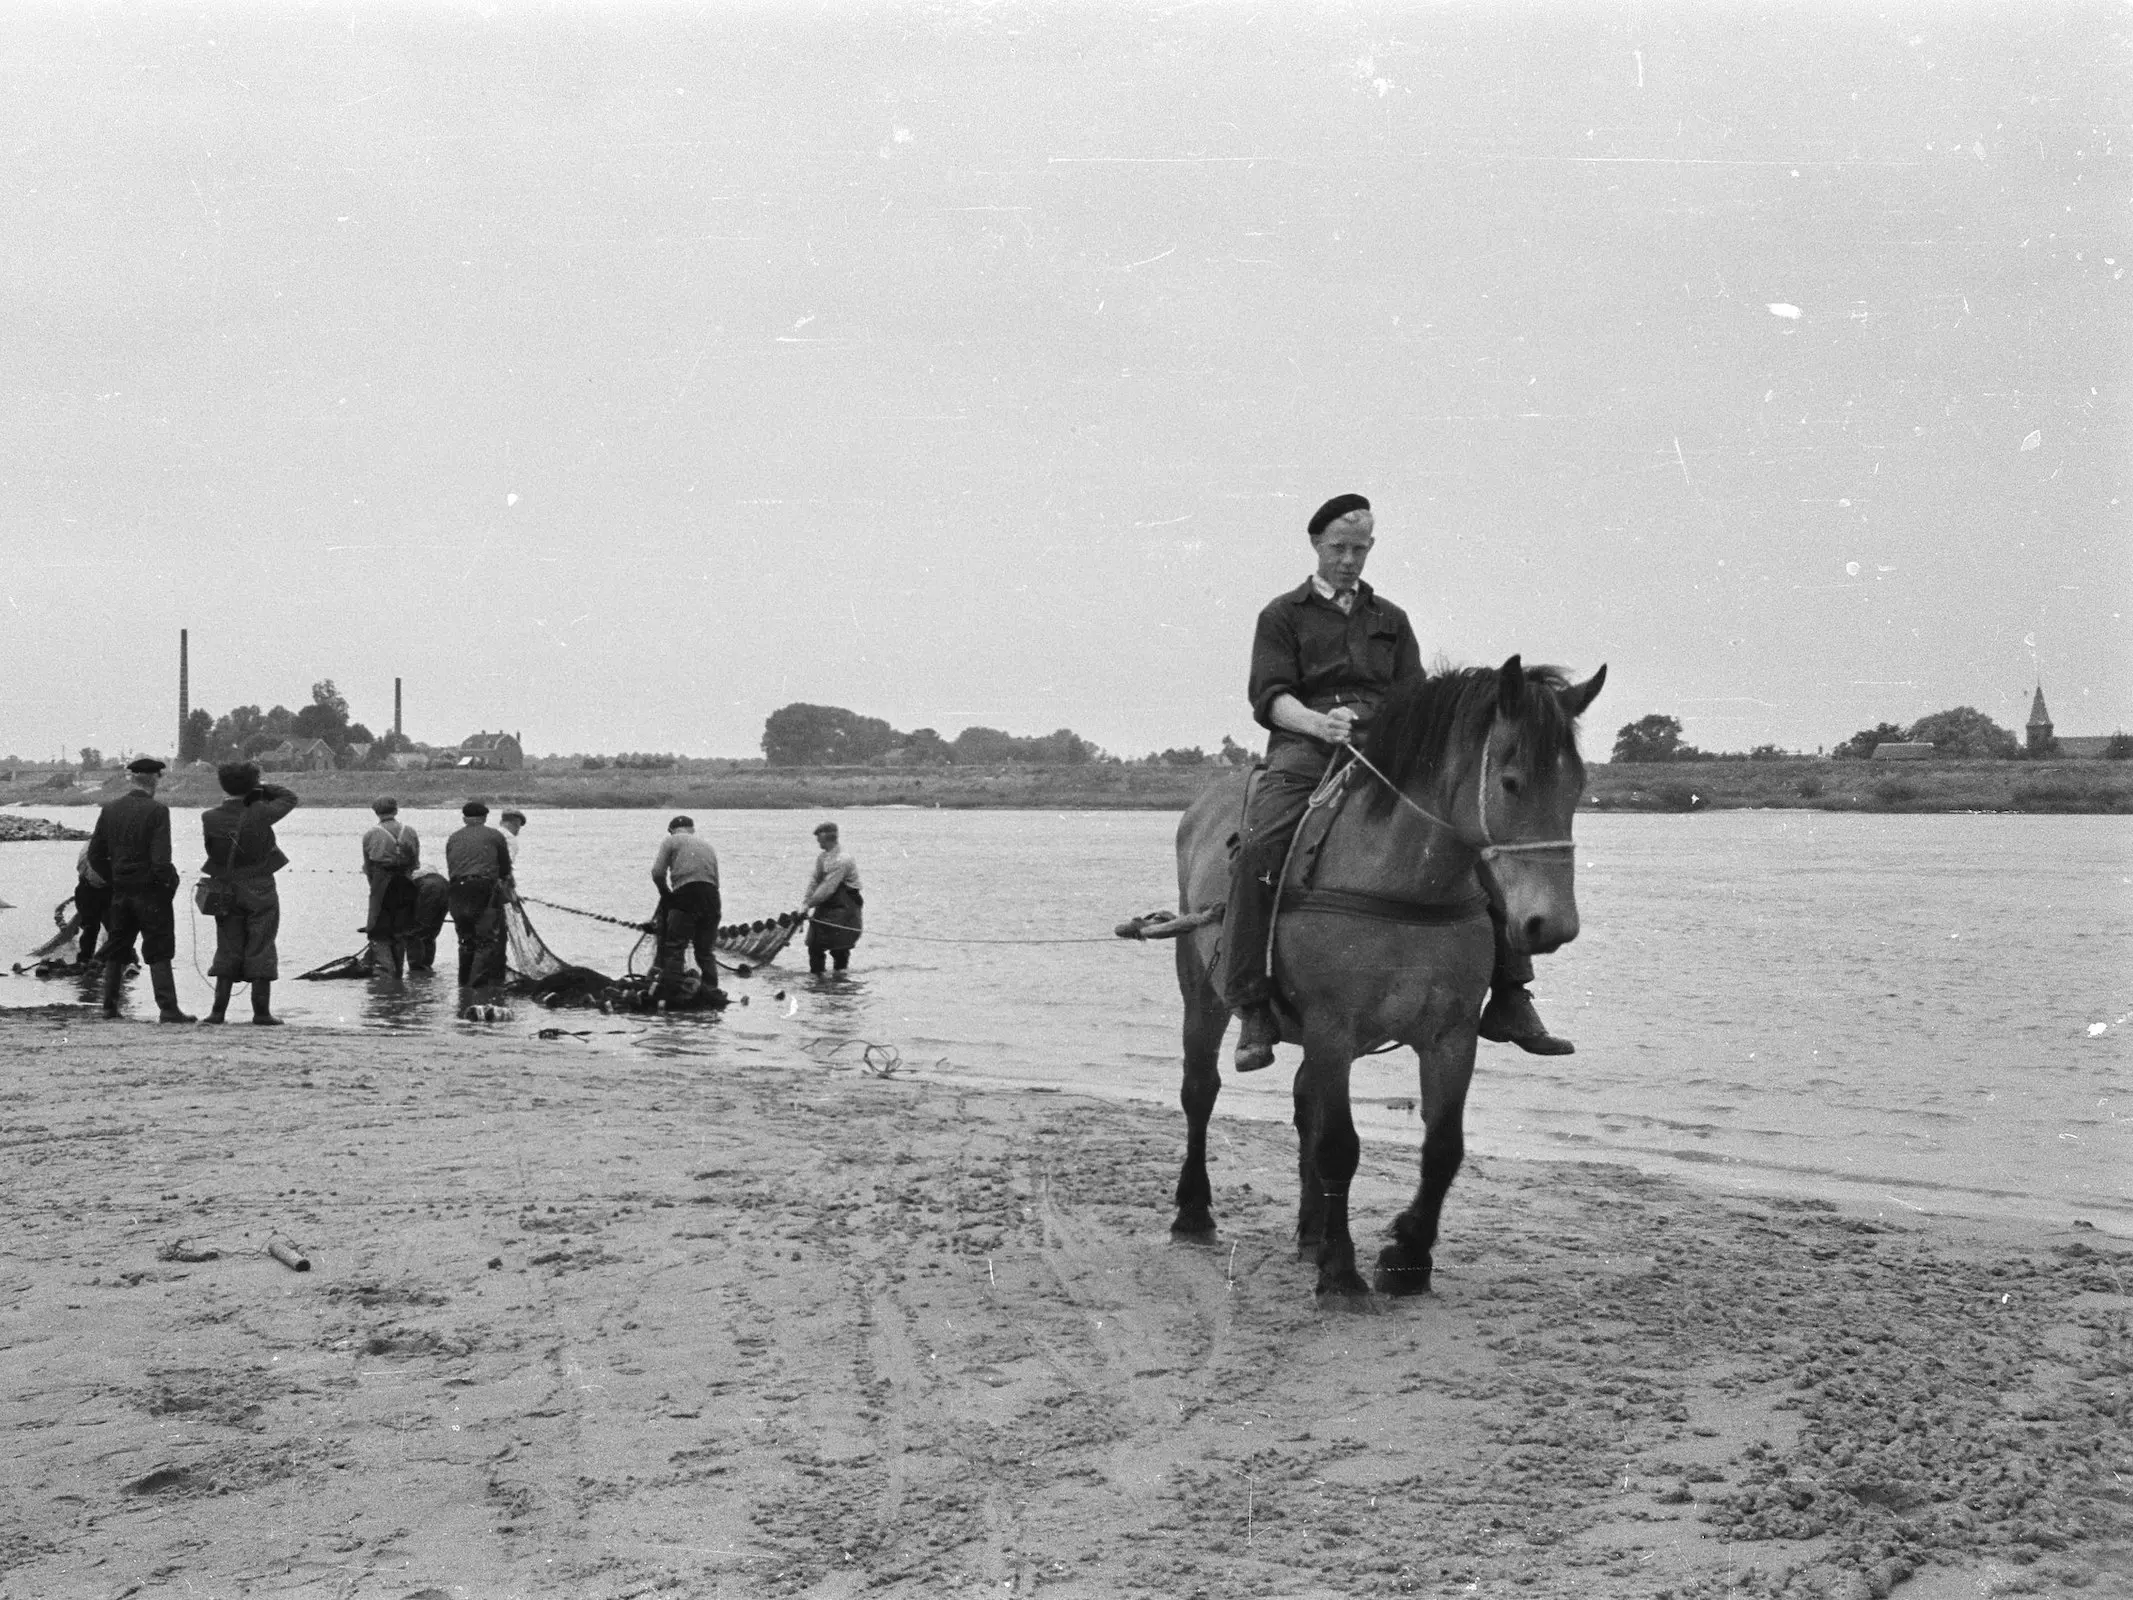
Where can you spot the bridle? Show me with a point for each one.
(1488, 849)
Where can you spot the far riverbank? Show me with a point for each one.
(1808, 784)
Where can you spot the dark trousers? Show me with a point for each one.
(433, 904)
(390, 917)
(91, 906)
(478, 918)
(836, 929)
(690, 923)
(244, 934)
(142, 913)
(1270, 822)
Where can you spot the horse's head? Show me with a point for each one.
(1526, 784)
(1494, 752)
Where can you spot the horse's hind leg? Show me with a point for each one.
(1404, 1266)
(1206, 1019)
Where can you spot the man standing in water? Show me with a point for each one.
(685, 872)
(390, 851)
(1324, 656)
(92, 903)
(833, 903)
(478, 863)
(130, 850)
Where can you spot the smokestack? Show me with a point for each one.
(184, 688)
(396, 709)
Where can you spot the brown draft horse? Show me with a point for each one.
(1473, 771)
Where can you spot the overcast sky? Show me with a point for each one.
(619, 373)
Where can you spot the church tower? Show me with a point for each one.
(2039, 727)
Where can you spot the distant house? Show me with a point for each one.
(1907, 751)
(358, 754)
(408, 760)
(491, 752)
(298, 755)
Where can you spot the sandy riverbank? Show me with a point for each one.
(602, 1323)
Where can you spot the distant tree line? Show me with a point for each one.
(245, 733)
(802, 735)
(1960, 731)
(1658, 738)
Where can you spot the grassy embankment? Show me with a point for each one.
(2033, 786)
(1099, 787)
(2026, 786)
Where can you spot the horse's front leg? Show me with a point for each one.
(1334, 1153)
(1206, 1019)
(1447, 1068)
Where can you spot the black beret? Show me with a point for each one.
(473, 808)
(1335, 509)
(144, 764)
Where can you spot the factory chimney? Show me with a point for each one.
(397, 734)
(184, 689)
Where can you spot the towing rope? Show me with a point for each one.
(637, 927)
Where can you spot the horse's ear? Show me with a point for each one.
(1510, 688)
(1580, 695)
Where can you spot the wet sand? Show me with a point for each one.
(601, 1324)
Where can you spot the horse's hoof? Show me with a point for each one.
(1196, 1224)
(1398, 1274)
(1344, 1288)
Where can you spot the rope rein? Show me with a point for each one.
(1488, 849)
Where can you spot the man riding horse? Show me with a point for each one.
(1323, 656)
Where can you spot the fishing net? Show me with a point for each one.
(68, 924)
(355, 966)
(537, 970)
(747, 944)
(533, 966)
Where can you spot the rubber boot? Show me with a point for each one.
(220, 1012)
(1510, 1018)
(262, 992)
(112, 973)
(166, 991)
(1257, 1034)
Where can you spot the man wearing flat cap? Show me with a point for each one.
(130, 850)
(478, 863)
(1324, 655)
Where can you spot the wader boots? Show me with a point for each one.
(166, 991)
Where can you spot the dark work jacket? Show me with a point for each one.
(1306, 646)
(130, 848)
(239, 833)
(477, 851)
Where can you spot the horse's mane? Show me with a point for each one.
(1426, 722)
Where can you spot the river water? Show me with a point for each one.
(1915, 1012)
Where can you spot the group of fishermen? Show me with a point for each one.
(127, 885)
